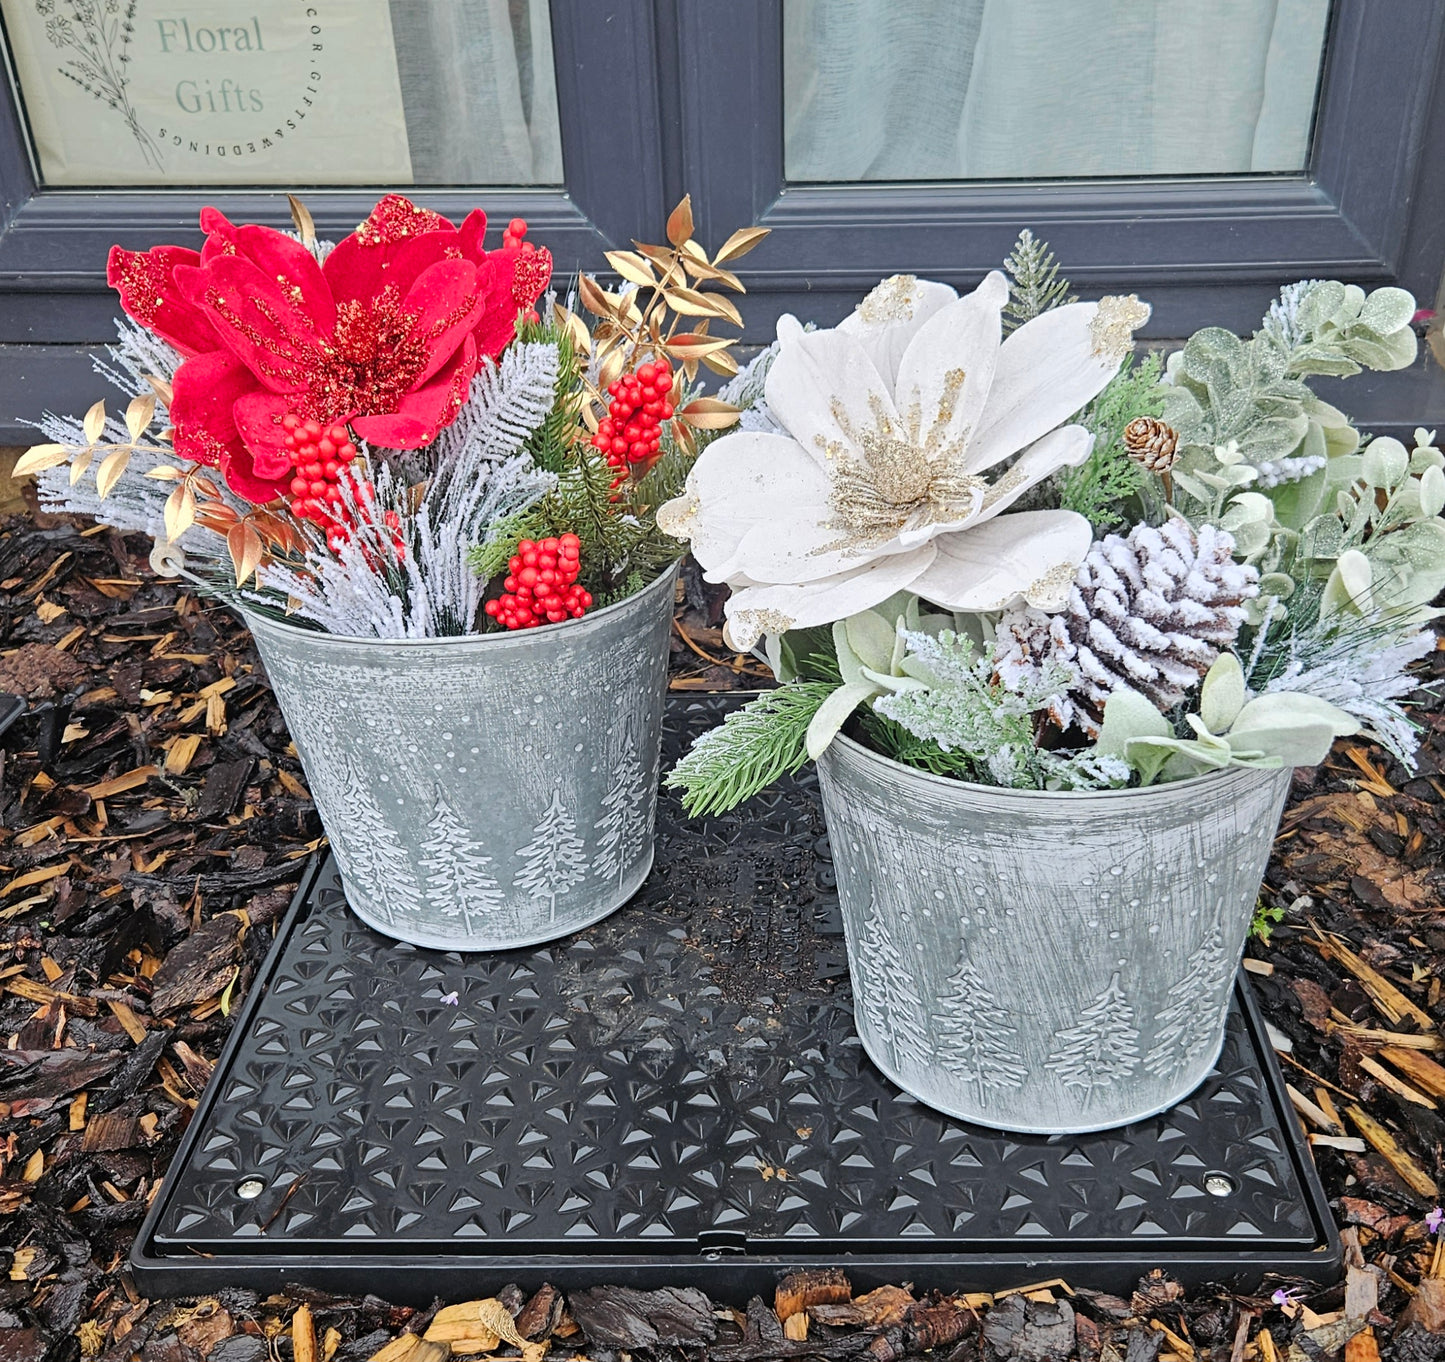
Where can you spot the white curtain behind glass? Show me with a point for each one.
(1002, 89)
(479, 90)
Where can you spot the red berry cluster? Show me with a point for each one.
(321, 454)
(541, 585)
(512, 240)
(631, 432)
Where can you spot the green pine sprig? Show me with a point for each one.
(756, 745)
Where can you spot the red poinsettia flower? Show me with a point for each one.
(385, 336)
(512, 278)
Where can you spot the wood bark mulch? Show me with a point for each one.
(154, 821)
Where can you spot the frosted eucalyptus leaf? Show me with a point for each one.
(1246, 508)
(1359, 520)
(1432, 491)
(1349, 309)
(1348, 586)
(1210, 352)
(1319, 304)
(1297, 503)
(1280, 585)
(1384, 461)
(1425, 456)
(1405, 504)
(1387, 309)
(1223, 693)
(1345, 470)
(1385, 353)
(1323, 539)
(1409, 565)
(1251, 539)
(1334, 427)
(1328, 363)
(1194, 485)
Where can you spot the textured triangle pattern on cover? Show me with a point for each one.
(677, 1092)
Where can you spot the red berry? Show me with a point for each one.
(517, 227)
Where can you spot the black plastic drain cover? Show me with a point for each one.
(674, 1096)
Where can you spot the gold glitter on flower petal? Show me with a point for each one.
(1051, 590)
(745, 627)
(890, 301)
(900, 475)
(1115, 321)
(678, 517)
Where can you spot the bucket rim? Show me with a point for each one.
(257, 622)
(844, 750)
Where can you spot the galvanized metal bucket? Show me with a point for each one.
(486, 792)
(1044, 963)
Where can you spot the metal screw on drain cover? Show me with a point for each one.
(1217, 1184)
(250, 1188)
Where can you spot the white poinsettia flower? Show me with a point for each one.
(910, 429)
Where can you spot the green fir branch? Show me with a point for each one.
(1101, 488)
(754, 746)
(1035, 284)
(893, 740)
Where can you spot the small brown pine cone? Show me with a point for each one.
(1151, 443)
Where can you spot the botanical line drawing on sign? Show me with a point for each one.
(96, 37)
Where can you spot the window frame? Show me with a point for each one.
(55, 306)
(1203, 250)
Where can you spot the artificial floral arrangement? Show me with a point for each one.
(997, 546)
(385, 437)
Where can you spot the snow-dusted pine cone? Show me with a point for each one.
(1151, 443)
(1150, 612)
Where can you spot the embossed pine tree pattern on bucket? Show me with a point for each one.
(485, 792)
(1044, 962)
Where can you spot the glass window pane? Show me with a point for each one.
(289, 93)
(1033, 89)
